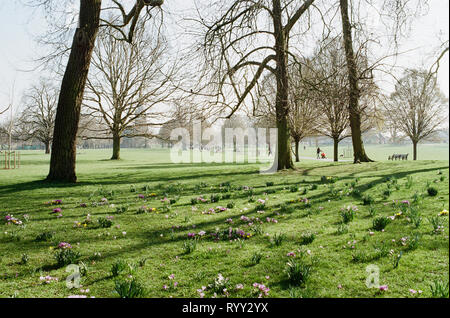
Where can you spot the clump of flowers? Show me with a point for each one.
(64, 245)
(10, 219)
(57, 210)
(220, 285)
(443, 213)
(47, 279)
(230, 234)
(261, 289)
(271, 220)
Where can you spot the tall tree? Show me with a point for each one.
(63, 157)
(250, 38)
(359, 153)
(417, 107)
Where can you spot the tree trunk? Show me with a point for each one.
(354, 114)
(47, 147)
(336, 149)
(414, 150)
(284, 158)
(62, 162)
(116, 147)
(297, 144)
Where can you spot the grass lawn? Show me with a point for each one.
(152, 244)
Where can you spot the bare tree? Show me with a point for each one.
(246, 40)
(37, 120)
(302, 113)
(417, 107)
(331, 90)
(63, 157)
(127, 83)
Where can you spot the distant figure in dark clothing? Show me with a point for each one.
(318, 153)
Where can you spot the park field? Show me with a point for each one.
(166, 228)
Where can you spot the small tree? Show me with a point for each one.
(37, 120)
(417, 107)
(126, 83)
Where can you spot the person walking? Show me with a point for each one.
(318, 153)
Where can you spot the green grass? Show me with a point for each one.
(382, 152)
(151, 235)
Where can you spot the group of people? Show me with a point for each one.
(320, 154)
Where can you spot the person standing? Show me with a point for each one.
(318, 153)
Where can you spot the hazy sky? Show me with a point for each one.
(18, 49)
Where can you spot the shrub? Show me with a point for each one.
(396, 260)
(66, 257)
(439, 289)
(286, 208)
(380, 223)
(278, 239)
(342, 229)
(409, 182)
(44, 237)
(307, 238)
(269, 184)
(368, 199)
(129, 288)
(313, 187)
(347, 214)
(226, 196)
(214, 198)
(298, 271)
(413, 243)
(24, 259)
(230, 205)
(387, 193)
(105, 222)
(118, 267)
(293, 188)
(432, 191)
(372, 211)
(194, 201)
(437, 224)
(189, 246)
(132, 188)
(414, 216)
(121, 209)
(256, 258)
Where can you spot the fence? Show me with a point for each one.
(11, 160)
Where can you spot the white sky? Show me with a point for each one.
(18, 49)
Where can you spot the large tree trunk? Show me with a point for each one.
(116, 147)
(336, 149)
(62, 162)
(47, 147)
(297, 145)
(284, 158)
(415, 150)
(355, 116)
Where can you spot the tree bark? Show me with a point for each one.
(63, 158)
(297, 144)
(354, 114)
(415, 150)
(284, 158)
(116, 147)
(47, 147)
(336, 149)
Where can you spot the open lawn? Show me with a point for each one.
(137, 217)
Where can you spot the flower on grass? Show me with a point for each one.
(239, 286)
(57, 210)
(383, 287)
(291, 254)
(64, 245)
(443, 213)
